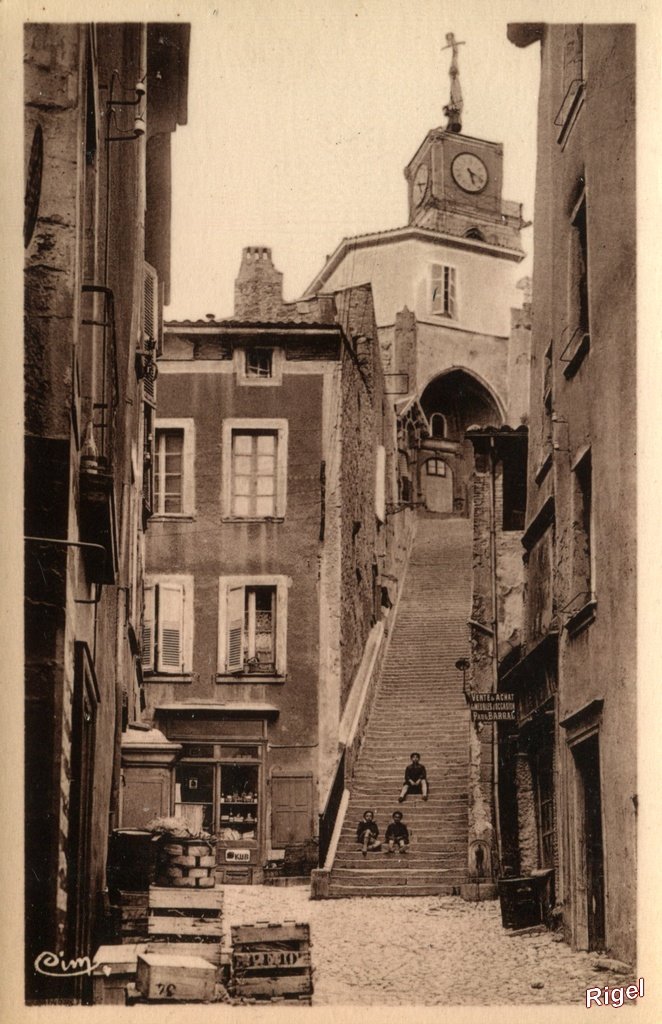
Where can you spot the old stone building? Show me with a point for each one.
(101, 103)
(568, 787)
(272, 563)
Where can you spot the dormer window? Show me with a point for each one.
(475, 233)
(443, 290)
(259, 362)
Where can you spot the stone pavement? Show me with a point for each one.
(422, 950)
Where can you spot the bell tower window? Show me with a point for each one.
(443, 290)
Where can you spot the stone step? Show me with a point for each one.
(448, 888)
(419, 706)
(394, 874)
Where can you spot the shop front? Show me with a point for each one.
(216, 779)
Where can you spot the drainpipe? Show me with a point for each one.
(495, 649)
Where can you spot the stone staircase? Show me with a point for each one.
(419, 706)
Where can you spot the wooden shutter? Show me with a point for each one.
(380, 483)
(451, 292)
(235, 629)
(171, 627)
(147, 653)
(150, 306)
(291, 809)
(436, 288)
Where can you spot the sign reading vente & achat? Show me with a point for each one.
(492, 707)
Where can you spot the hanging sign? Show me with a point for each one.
(492, 707)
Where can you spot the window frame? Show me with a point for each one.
(152, 661)
(280, 428)
(448, 311)
(240, 364)
(434, 459)
(228, 584)
(187, 427)
(583, 604)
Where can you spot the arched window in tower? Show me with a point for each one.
(475, 233)
(438, 425)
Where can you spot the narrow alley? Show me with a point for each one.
(425, 950)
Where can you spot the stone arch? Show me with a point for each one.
(461, 381)
(462, 399)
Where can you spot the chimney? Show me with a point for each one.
(258, 288)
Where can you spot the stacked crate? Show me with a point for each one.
(186, 923)
(131, 916)
(271, 962)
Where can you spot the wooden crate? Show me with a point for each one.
(134, 995)
(131, 916)
(211, 951)
(237, 875)
(177, 916)
(115, 967)
(175, 977)
(271, 961)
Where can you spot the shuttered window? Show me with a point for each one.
(171, 627)
(443, 290)
(167, 626)
(151, 316)
(235, 654)
(252, 625)
(149, 624)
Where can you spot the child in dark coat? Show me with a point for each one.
(397, 834)
(367, 833)
(416, 778)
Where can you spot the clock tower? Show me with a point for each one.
(455, 181)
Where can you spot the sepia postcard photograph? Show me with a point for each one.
(327, 596)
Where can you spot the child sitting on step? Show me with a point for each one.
(397, 834)
(416, 778)
(367, 833)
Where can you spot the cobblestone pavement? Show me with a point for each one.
(426, 950)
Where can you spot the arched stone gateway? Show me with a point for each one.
(455, 400)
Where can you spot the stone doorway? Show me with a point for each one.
(591, 879)
(452, 402)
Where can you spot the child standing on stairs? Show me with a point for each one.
(367, 833)
(397, 834)
(416, 778)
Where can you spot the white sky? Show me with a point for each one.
(303, 115)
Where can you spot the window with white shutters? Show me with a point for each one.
(149, 623)
(171, 627)
(235, 617)
(252, 625)
(167, 626)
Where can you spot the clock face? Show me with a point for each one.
(469, 172)
(420, 183)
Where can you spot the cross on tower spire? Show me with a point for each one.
(453, 110)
